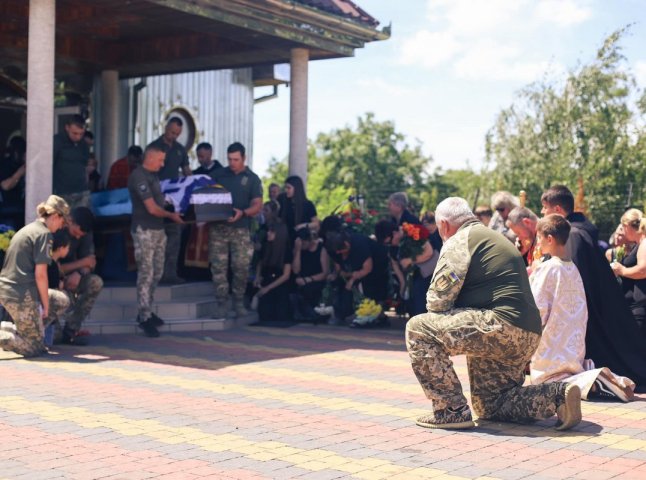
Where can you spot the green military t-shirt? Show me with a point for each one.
(497, 280)
(142, 185)
(176, 158)
(30, 246)
(244, 187)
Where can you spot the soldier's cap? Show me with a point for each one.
(53, 204)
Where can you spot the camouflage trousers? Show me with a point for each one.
(497, 354)
(150, 246)
(82, 300)
(79, 199)
(171, 255)
(27, 340)
(225, 240)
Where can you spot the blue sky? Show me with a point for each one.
(449, 67)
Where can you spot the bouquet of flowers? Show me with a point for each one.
(6, 233)
(360, 221)
(367, 312)
(620, 253)
(412, 243)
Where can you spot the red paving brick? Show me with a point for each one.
(310, 402)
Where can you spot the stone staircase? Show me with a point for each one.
(184, 308)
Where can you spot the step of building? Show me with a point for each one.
(128, 293)
(106, 327)
(187, 307)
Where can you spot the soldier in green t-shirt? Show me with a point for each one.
(23, 281)
(231, 238)
(480, 304)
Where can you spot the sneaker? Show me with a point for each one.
(156, 321)
(568, 408)
(150, 330)
(450, 419)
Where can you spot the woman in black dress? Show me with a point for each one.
(296, 211)
(273, 272)
(632, 269)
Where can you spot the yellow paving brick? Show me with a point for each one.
(630, 444)
(608, 439)
(313, 465)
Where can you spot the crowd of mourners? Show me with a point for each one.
(517, 293)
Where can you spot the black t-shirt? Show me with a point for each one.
(407, 217)
(270, 273)
(311, 261)
(70, 162)
(288, 213)
(15, 198)
(360, 251)
(143, 184)
(207, 171)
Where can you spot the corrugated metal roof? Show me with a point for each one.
(343, 8)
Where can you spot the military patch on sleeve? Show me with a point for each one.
(143, 187)
(446, 280)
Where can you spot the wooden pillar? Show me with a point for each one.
(298, 113)
(40, 103)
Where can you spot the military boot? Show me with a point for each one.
(221, 309)
(240, 309)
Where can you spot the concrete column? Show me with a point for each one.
(298, 113)
(40, 103)
(109, 140)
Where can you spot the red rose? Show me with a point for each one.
(357, 221)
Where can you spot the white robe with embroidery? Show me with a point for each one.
(560, 297)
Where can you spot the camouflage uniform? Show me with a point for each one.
(497, 349)
(173, 240)
(82, 300)
(150, 245)
(27, 340)
(222, 240)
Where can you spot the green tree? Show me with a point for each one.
(372, 160)
(581, 128)
(276, 173)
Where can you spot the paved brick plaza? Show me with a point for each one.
(303, 402)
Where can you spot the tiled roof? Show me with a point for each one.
(343, 8)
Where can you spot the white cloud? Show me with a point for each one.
(490, 40)
(473, 17)
(563, 12)
(495, 61)
(429, 49)
(388, 88)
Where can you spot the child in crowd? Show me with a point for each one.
(560, 297)
(272, 278)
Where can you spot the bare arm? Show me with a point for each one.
(638, 271)
(156, 211)
(296, 263)
(88, 262)
(186, 170)
(11, 182)
(287, 269)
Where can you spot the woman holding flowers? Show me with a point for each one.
(633, 268)
(23, 280)
(418, 260)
